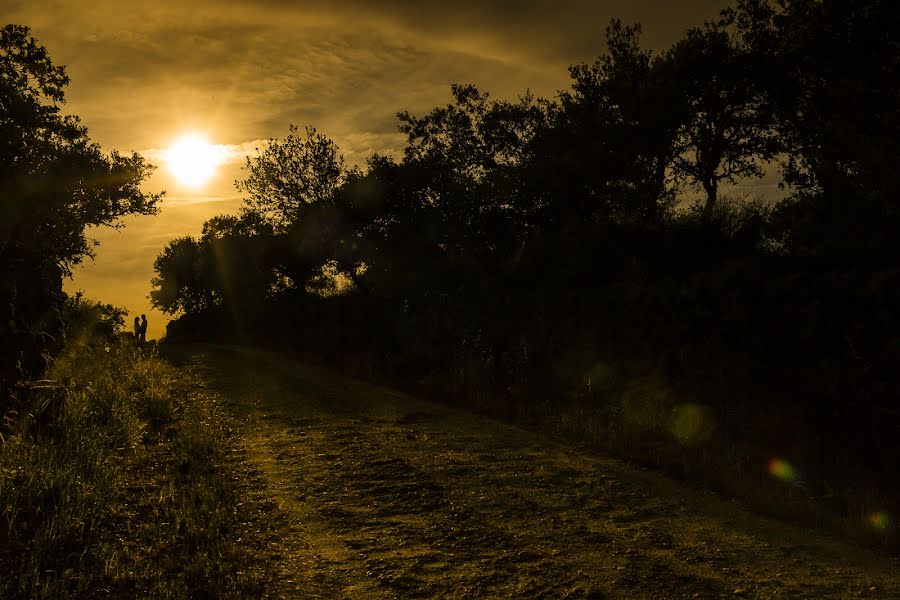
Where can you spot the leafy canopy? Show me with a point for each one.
(54, 182)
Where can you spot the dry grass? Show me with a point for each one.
(109, 484)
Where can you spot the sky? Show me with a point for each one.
(145, 72)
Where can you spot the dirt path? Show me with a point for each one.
(381, 495)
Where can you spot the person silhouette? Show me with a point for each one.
(137, 328)
(143, 328)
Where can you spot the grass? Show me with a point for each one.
(645, 420)
(112, 484)
(633, 411)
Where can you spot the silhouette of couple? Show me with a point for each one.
(140, 328)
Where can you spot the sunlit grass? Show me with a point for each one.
(109, 485)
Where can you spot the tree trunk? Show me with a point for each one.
(711, 186)
(655, 193)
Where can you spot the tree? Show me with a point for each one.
(612, 136)
(302, 169)
(394, 235)
(239, 259)
(54, 184)
(829, 72)
(179, 285)
(727, 131)
(472, 154)
(233, 264)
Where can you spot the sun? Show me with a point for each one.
(193, 160)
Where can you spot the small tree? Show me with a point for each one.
(726, 132)
(287, 175)
(178, 285)
(613, 134)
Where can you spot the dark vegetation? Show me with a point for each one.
(54, 183)
(112, 481)
(531, 258)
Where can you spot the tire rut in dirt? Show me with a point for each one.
(407, 529)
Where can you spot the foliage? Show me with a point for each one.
(728, 131)
(95, 319)
(613, 135)
(304, 168)
(54, 184)
(53, 181)
(836, 64)
(178, 284)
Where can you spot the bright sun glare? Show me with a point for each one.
(193, 160)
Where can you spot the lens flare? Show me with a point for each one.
(881, 520)
(692, 424)
(783, 470)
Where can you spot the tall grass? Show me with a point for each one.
(109, 482)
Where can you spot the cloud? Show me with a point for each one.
(230, 153)
(358, 147)
(145, 71)
(177, 201)
(246, 69)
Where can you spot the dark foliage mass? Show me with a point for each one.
(529, 257)
(54, 183)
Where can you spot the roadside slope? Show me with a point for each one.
(384, 495)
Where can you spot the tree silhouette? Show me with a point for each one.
(829, 71)
(303, 168)
(54, 183)
(610, 141)
(179, 284)
(474, 153)
(727, 131)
